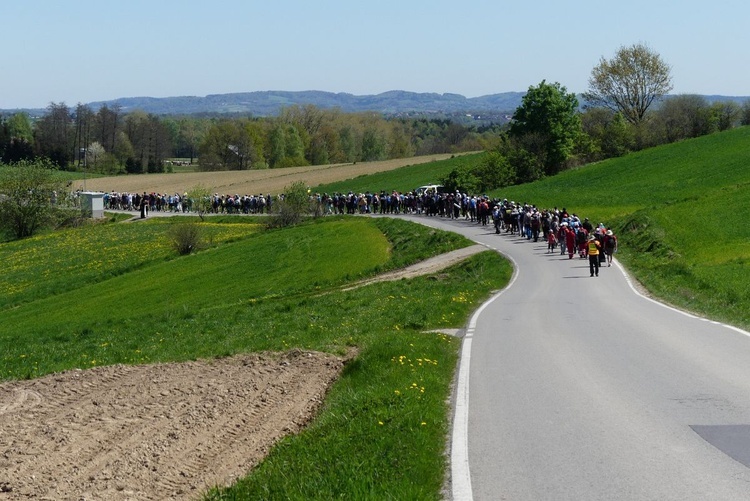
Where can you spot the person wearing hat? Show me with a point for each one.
(593, 251)
(610, 246)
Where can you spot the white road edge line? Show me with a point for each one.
(460, 472)
(690, 315)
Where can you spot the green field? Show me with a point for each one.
(403, 179)
(383, 427)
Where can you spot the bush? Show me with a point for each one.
(292, 207)
(185, 237)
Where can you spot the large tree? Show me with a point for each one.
(53, 135)
(16, 139)
(630, 82)
(150, 139)
(547, 125)
(107, 125)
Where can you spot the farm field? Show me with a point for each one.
(250, 181)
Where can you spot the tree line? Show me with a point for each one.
(112, 142)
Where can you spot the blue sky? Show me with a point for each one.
(85, 50)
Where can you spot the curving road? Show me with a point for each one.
(578, 388)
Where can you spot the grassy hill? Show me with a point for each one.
(680, 211)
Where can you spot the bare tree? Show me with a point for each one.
(630, 82)
(84, 118)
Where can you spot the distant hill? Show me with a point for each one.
(269, 103)
(493, 107)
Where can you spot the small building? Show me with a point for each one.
(92, 204)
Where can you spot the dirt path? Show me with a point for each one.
(426, 267)
(166, 431)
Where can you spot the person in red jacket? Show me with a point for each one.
(570, 241)
(551, 241)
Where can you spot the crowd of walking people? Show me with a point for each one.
(557, 227)
(181, 203)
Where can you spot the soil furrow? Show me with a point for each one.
(164, 431)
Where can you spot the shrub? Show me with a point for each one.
(185, 237)
(292, 207)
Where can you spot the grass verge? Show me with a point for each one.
(382, 431)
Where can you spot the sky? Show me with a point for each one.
(80, 51)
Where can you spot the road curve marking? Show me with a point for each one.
(677, 310)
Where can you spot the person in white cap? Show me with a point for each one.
(610, 246)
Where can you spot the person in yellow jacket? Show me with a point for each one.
(594, 248)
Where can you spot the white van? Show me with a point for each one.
(432, 188)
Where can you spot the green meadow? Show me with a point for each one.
(116, 293)
(403, 179)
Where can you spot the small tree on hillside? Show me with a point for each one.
(292, 206)
(185, 237)
(29, 192)
(199, 200)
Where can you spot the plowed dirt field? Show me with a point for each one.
(248, 182)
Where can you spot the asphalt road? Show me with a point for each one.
(578, 388)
